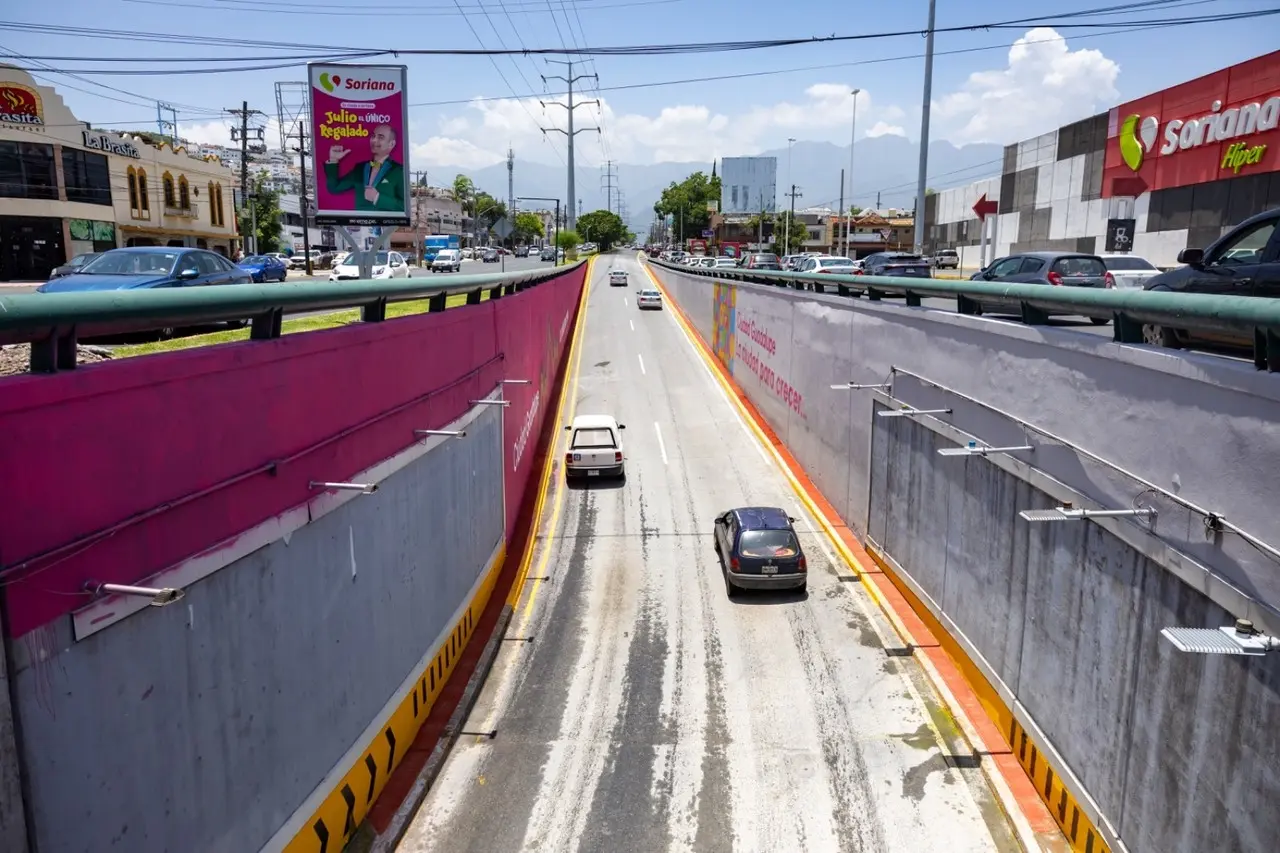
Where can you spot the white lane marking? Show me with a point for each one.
(632, 325)
(624, 302)
(661, 447)
(639, 356)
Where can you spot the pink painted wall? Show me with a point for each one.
(167, 451)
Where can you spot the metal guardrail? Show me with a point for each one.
(1244, 317)
(53, 322)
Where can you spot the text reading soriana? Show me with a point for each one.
(345, 124)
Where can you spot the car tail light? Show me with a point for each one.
(1055, 279)
(1110, 280)
(804, 564)
(617, 456)
(734, 564)
(568, 458)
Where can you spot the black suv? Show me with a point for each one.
(522, 251)
(759, 549)
(548, 254)
(1243, 262)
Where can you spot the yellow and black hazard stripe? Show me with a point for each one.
(336, 819)
(1076, 826)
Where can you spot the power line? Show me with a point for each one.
(284, 8)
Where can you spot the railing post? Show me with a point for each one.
(266, 326)
(874, 295)
(437, 303)
(374, 312)
(967, 305)
(913, 299)
(1266, 350)
(474, 296)
(1033, 316)
(495, 292)
(1125, 330)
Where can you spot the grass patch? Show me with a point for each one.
(331, 320)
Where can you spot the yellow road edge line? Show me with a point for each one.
(553, 452)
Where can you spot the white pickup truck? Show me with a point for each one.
(595, 447)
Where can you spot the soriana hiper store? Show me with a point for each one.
(1197, 159)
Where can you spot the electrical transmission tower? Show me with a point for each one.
(610, 181)
(170, 124)
(569, 80)
(293, 110)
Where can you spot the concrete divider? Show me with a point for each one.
(266, 709)
(1131, 744)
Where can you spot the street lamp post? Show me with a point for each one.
(555, 249)
(924, 132)
(786, 230)
(848, 223)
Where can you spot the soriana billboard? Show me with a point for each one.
(1218, 126)
(359, 114)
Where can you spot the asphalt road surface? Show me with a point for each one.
(650, 713)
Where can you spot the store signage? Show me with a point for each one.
(20, 105)
(1240, 154)
(103, 142)
(1120, 234)
(1138, 134)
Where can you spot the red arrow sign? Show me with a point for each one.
(985, 208)
(1128, 186)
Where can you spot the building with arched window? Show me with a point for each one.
(68, 189)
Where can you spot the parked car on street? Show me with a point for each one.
(385, 265)
(73, 265)
(1243, 262)
(759, 549)
(946, 259)
(265, 268)
(1127, 272)
(149, 267)
(595, 447)
(489, 256)
(447, 260)
(1054, 269)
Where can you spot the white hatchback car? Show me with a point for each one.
(385, 265)
(595, 447)
(649, 299)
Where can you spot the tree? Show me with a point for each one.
(528, 227)
(687, 203)
(793, 237)
(264, 204)
(487, 209)
(602, 226)
(568, 240)
(464, 192)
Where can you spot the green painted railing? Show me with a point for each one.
(53, 322)
(1251, 320)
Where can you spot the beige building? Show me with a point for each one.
(67, 189)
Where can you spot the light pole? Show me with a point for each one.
(924, 130)
(853, 135)
(786, 230)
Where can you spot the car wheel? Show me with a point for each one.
(1160, 336)
(1099, 321)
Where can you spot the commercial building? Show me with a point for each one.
(68, 188)
(433, 210)
(748, 185)
(1165, 172)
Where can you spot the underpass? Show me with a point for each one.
(634, 707)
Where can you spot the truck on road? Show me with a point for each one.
(432, 244)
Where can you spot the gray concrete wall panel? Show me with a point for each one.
(13, 819)
(231, 706)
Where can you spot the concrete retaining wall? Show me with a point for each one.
(1169, 752)
(205, 724)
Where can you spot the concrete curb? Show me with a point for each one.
(403, 817)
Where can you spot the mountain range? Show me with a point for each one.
(883, 165)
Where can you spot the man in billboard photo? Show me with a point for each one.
(378, 183)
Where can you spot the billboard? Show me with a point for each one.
(1222, 125)
(359, 118)
(749, 185)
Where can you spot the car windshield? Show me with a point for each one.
(256, 259)
(588, 439)
(1079, 266)
(836, 262)
(353, 259)
(768, 543)
(132, 263)
(1129, 264)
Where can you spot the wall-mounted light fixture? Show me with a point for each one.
(456, 433)
(367, 488)
(517, 381)
(907, 410)
(160, 596)
(975, 449)
(490, 402)
(853, 386)
(1067, 512)
(1239, 639)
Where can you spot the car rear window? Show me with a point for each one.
(766, 259)
(904, 259)
(768, 543)
(589, 439)
(1079, 266)
(1129, 264)
(836, 262)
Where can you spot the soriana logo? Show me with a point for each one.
(1239, 125)
(20, 105)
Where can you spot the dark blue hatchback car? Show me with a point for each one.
(759, 549)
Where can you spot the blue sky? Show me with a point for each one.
(1001, 94)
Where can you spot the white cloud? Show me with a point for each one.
(682, 131)
(883, 128)
(1044, 85)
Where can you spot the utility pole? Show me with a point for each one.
(511, 197)
(853, 136)
(924, 131)
(786, 249)
(569, 79)
(304, 204)
(241, 134)
(419, 191)
(171, 124)
(835, 236)
(609, 177)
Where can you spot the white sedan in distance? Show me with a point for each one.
(649, 299)
(1128, 272)
(617, 278)
(832, 264)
